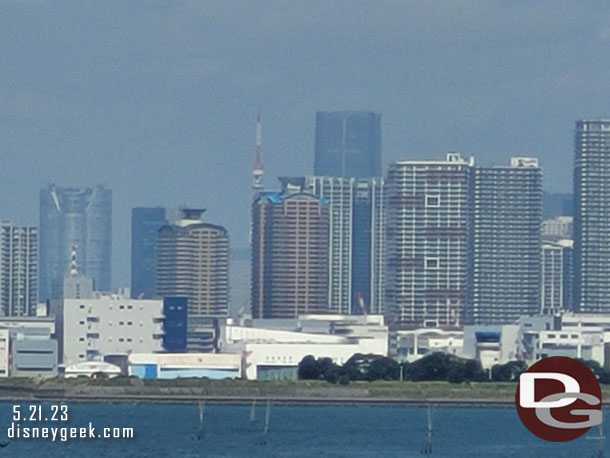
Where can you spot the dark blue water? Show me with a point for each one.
(169, 430)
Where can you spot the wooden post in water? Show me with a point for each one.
(253, 410)
(266, 427)
(200, 432)
(426, 448)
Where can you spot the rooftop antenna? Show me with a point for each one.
(257, 168)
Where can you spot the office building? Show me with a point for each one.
(18, 269)
(506, 242)
(289, 254)
(145, 225)
(193, 261)
(556, 293)
(429, 219)
(69, 217)
(592, 212)
(348, 144)
(356, 240)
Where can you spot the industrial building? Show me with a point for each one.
(110, 324)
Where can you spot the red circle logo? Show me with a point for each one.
(559, 399)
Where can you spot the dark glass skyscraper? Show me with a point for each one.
(74, 217)
(591, 216)
(145, 225)
(348, 144)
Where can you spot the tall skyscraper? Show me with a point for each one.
(348, 144)
(145, 225)
(193, 261)
(289, 255)
(592, 213)
(80, 217)
(506, 242)
(18, 269)
(429, 225)
(356, 240)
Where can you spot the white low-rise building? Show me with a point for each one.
(179, 365)
(92, 369)
(265, 361)
(110, 324)
(411, 345)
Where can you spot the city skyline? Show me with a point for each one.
(148, 106)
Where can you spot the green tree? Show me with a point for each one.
(508, 372)
(383, 368)
(309, 368)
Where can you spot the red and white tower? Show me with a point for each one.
(257, 168)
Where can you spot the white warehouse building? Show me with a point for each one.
(110, 324)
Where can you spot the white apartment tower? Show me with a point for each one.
(429, 225)
(18, 269)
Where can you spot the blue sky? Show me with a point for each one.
(157, 100)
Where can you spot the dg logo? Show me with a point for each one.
(559, 399)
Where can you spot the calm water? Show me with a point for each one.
(169, 430)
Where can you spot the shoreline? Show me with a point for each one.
(240, 392)
(275, 400)
(244, 392)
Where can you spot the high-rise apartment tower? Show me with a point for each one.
(506, 242)
(289, 255)
(429, 225)
(591, 216)
(18, 269)
(193, 261)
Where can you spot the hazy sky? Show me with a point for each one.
(157, 100)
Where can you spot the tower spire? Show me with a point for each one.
(257, 168)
